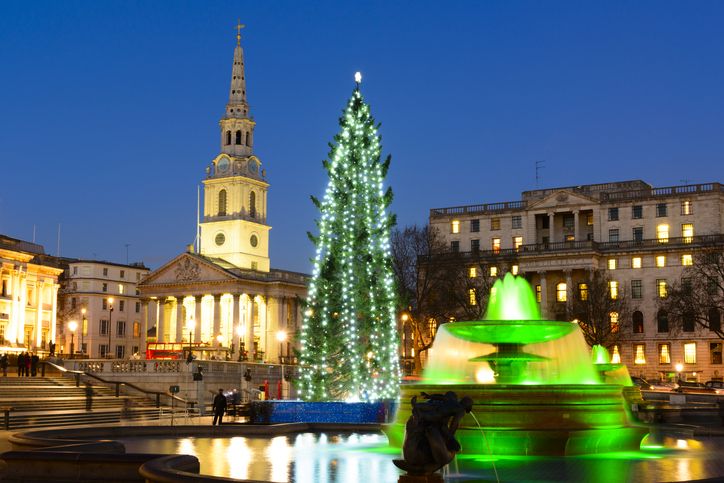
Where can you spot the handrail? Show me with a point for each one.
(77, 375)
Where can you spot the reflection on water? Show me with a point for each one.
(365, 458)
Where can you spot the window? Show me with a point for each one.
(496, 245)
(568, 221)
(687, 231)
(615, 355)
(474, 226)
(516, 222)
(613, 289)
(662, 233)
(638, 233)
(636, 289)
(104, 327)
(664, 353)
(237, 138)
(121, 305)
(690, 352)
(661, 289)
(103, 350)
(613, 214)
(473, 272)
(687, 322)
(660, 210)
(661, 261)
(714, 319)
(589, 219)
(455, 246)
(637, 320)
(561, 292)
(715, 350)
(474, 245)
(570, 238)
(105, 272)
(121, 288)
(123, 274)
(495, 223)
(252, 205)
(686, 207)
(138, 307)
(75, 270)
(613, 321)
(248, 138)
(472, 298)
(538, 293)
(687, 260)
(255, 265)
(583, 291)
(138, 276)
(134, 350)
(455, 226)
(222, 203)
(613, 235)
(121, 328)
(514, 269)
(545, 222)
(228, 138)
(612, 264)
(517, 242)
(493, 271)
(636, 262)
(432, 327)
(637, 212)
(120, 351)
(662, 321)
(639, 354)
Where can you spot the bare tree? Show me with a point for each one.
(601, 309)
(697, 299)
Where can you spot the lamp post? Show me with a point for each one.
(679, 367)
(110, 320)
(240, 333)
(72, 326)
(190, 326)
(281, 337)
(83, 328)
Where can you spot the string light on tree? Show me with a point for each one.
(349, 336)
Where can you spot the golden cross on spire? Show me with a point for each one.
(238, 28)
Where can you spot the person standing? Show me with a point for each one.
(88, 396)
(34, 361)
(4, 364)
(28, 358)
(21, 364)
(219, 407)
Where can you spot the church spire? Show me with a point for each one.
(237, 107)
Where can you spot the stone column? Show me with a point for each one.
(54, 311)
(39, 288)
(180, 312)
(197, 318)
(543, 295)
(576, 228)
(551, 227)
(569, 284)
(161, 320)
(217, 319)
(234, 329)
(144, 328)
(249, 341)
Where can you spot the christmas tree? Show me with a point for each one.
(349, 348)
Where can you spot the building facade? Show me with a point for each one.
(100, 309)
(28, 296)
(224, 296)
(641, 237)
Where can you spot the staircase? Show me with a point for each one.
(36, 402)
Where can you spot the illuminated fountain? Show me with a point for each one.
(535, 388)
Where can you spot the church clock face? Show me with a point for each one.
(220, 239)
(253, 166)
(254, 241)
(223, 165)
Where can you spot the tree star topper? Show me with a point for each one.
(358, 77)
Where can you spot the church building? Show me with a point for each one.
(225, 298)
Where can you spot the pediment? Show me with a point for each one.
(562, 198)
(187, 268)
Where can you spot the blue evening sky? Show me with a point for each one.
(109, 110)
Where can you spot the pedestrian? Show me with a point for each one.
(88, 396)
(4, 364)
(21, 364)
(28, 360)
(34, 361)
(51, 348)
(219, 407)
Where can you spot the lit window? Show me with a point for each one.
(514, 269)
(687, 231)
(472, 298)
(517, 242)
(690, 352)
(589, 219)
(561, 292)
(661, 261)
(493, 271)
(495, 223)
(570, 238)
(613, 317)
(636, 262)
(538, 292)
(431, 327)
(661, 288)
(121, 288)
(496, 245)
(615, 355)
(687, 260)
(583, 291)
(613, 289)
(455, 226)
(664, 354)
(612, 264)
(640, 354)
(473, 272)
(686, 208)
(662, 233)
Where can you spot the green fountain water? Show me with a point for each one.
(534, 383)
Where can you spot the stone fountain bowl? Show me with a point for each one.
(510, 331)
(553, 420)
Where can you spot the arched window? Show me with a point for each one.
(248, 138)
(613, 320)
(222, 203)
(662, 321)
(238, 137)
(252, 205)
(228, 137)
(714, 319)
(638, 322)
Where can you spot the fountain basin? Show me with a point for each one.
(511, 331)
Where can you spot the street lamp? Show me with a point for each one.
(679, 367)
(72, 326)
(110, 320)
(83, 328)
(281, 337)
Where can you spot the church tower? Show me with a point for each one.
(234, 225)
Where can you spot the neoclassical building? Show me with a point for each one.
(225, 294)
(28, 296)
